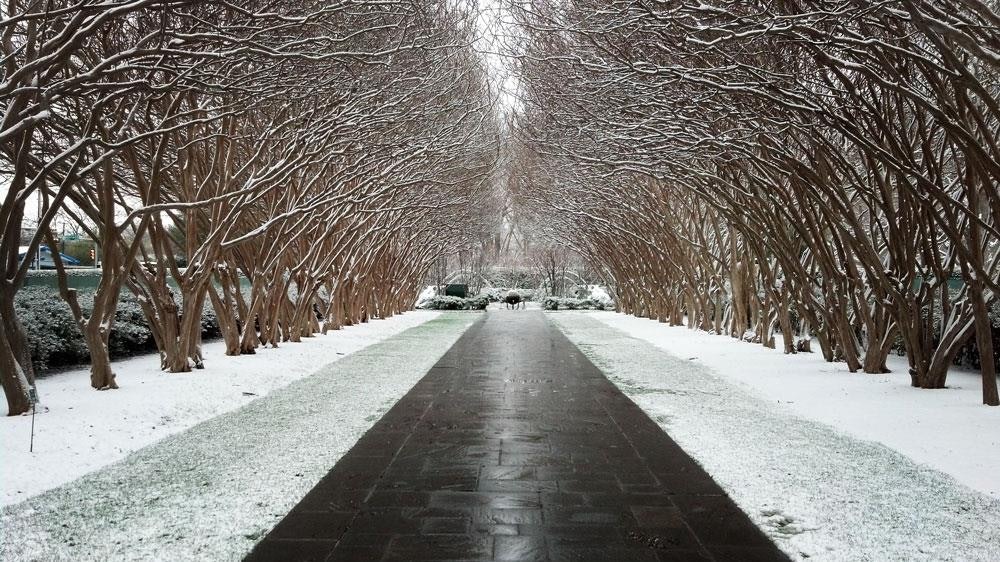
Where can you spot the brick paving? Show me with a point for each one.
(515, 447)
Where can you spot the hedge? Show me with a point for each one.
(455, 303)
(55, 340)
(559, 303)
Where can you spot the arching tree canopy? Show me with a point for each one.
(303, 159)
(826, 170)
(819, 168)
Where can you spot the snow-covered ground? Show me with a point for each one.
(948, 429)
(211, 492)
(805, 472)
(82, 429)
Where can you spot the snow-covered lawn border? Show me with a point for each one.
(82, 429)
(820, 493)
(949, 429)
(210, 492)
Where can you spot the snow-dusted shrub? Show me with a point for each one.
(48, 324)
(130, 334)
(209, 322)
(442, 302)
(560, 303)
(479, 302)
(596, 296)
(55, 340)
(455, 303)
(600, 304)
(494, 294)
(604, 302)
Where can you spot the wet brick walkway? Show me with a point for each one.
(515, 447)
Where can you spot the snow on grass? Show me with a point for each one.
(83, 429)
(948, 429)
(819, 493)
(211, 492)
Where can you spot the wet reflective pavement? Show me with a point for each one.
(515, 447)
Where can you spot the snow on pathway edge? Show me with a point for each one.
(211, 492)
(84, 430)
(949, 430)
(820, 494)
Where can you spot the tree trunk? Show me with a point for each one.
(984, 341)
(101, 375)
(16, 376)
(228, 323)
(954, 334)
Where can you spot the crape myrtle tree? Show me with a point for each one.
(76, 77)
(817, 169)
(303, 160)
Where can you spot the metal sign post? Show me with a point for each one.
(33, 397)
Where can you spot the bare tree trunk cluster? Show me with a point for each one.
(762, 168)
(296, 166)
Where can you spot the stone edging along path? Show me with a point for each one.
(211, 492)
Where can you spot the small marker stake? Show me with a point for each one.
(33, 396)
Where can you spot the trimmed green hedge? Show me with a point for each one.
(559, 303)
(455, 303)
(56, 341)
